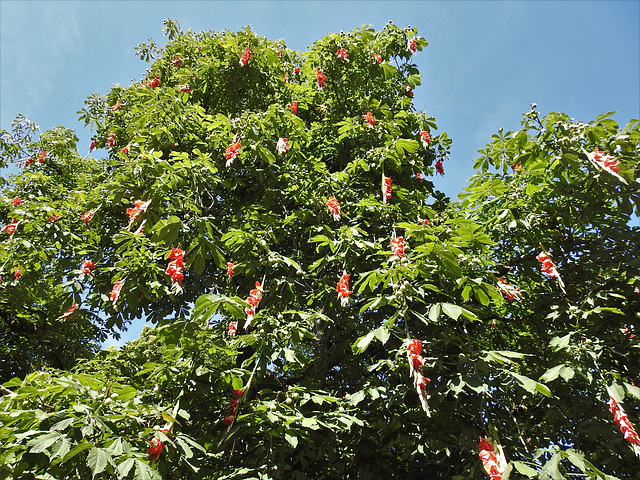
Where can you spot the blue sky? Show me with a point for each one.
(486, 61)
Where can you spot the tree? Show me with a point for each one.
(322, 310)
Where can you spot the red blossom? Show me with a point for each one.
(487, 455)
(244, 58)
(18, 272)
(293, 107)
(116, 106)
(377, 58)
(626, 427)
(424, 221)
(342, 53)
(155, 450)
(255, 295)
(176, 266)
(296, 71)
(16, 201)
(397, 247)
(282, 146)
(416, 362)
(42, 155)
(414, 347)
(125, 150)
(87, 266)
(11, 227)
(53, 218)
(285, 79)
(70, 311)
(177, 61)
(334, 207)
(139, 207)
(232, 152)
(408, 88)
(230, 267)
(28, 162)
(439, 167)
(93, 143)
(343, 289)
(509, 290)
(114, 294)
(547, 265)
(386, 188)
(111, 141)
(154, 83)
(233, 328)
(606, 161)
(321, 79)
(87, 216)
(420, 176)
(425, 137)
(413, 45)
(368, 118)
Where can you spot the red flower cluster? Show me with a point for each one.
(282, 146)
(87, 216)
(297, 70)
(93, 144)
(623, 422)
(232, 152)
(386, 188)
(156, 448)
(154, 83)
(114, 294)
(16, 201)
(285, 79)
(244, 58)
(70, 311)
(413, 45)
(425, 137)
(439, 167)
(368, 118)
(334, 207)
(343, 289)
(42, 155)
(53, 218)
(28, 162)
(233, 328)
(18, 272)
(487, 455)
(255, 295)
(184, 88)
(408, 88)
(397, 247)
(547, 265)
(116, 106)
(342, 53)
(424, 221)
(87, 266)
(420, 176)
(111, 141)
(177, 61)
(293, 107)
(138, 207)
(176, 266)
(377, 58)
(124, 150)
(11, 227)
(416, 362)
(606, 161)
(230, 267)
(509, 290)
(234, 401)
(321, 79)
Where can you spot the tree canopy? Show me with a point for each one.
(320, 309)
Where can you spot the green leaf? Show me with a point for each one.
(293, 441)
(145, 472)
(552, 373)
(125, 467)
(525, 469)
(97, 460)
(453, 311)
(363, 342)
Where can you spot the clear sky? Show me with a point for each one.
(486, 61)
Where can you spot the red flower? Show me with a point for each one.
(111, 141)
(606, 161)
(17, 273)
(621, 419)
(425, 137)
(92, 145)
(53, 218)
(279, 53)
(409, 90)
(114, 294)
(70, 311)
(155, 450)
(16, 201)
(255, 295)
(232, 152)
(244, 58)
(139, 207)
(334, 207)
(11, 227)
(154, 83)
(230, 267)
(424, 221)
(116, 106)
(416, 362)
(386, 188)
(420, 176)
(176, 266)
(28, 162)
(547, 265)
(87, 266)
(321, 79)
(87, 216)
(439, 167)
(177, 61)
(343, 289)
(233, 327)
(414, 347)
(509, 290)
(377, 58)
(282, 146)
(296, 71)
(43, 154)
(342, 53)
(184, 88)
(489, 460)
(397, 247)
(369, 118)
(293, 107)
(413, 45)
(285, 79)
(125, 150)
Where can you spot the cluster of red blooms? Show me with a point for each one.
(369, 118)
(184, 88)
(413, 45)
(416, 362)
(425, 137)
(111, 141)
(509, 290)
(424, 221)
(138, 207)
(547, 265)
(233, 328)
(124, 150)
(297, 71)
(93, 144)
(18, 272)
(625, 425)
(232, 152)
(244, 58)
(293, 107)
(408, 88)
(16, 201)
(282, 146)
(11, 227)
(386, 188)
(255, 295)
(342, 53)
(377, 58)
(397, 247)
(43, 154)
(116, 106)
(230, 267)
(87, 216)
(343, 289)
(420, 176)
(53, 218)
(334, 207)
(321, 79)
(114, 294)
(70, 311)
(606, 161)
(155, 82)
(487, 455)
(176, 266)
(234, 401)
(439, 167)
(285, 79)
(156, 447)
(177, 61)
(87, 266)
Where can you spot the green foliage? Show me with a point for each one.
(327, 386)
